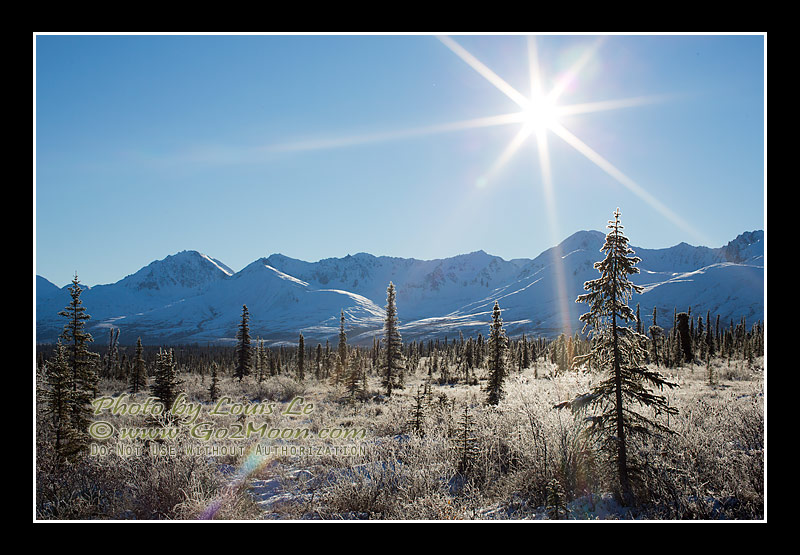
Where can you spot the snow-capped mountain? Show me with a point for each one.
(190, 297)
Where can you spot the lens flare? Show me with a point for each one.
(253, 462)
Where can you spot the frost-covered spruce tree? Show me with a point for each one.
(556, 500)
(355, 380)
(341, 361)
(165, 382)
(656, 332)
(416, 422)
(138, 372)
(80, 361)
(301, 358)
(243, 348)
(618, 351)
(466, 442)
(496, 352)
(684, 336)
(393, 364)
(57, 397)
(213, 389)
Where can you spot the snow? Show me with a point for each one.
(287, 277)
(223, 268)
(190, 296)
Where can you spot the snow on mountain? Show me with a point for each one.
(423, 286)
(542, 300)
(186, 270)
(160, 284)
(190, 297)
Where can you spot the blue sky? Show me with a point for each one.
(323, 146)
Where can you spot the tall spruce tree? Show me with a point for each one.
(243, 348)
(301, 358)
(684, 337)
(58, 404)
(138, 372)
(80, 361)
(617, 349)
(393, 364)
(341, 362)
(318, 362)
(496, 350)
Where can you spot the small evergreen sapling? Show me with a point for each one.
(466, 442)
(416, 423)
(556, 500)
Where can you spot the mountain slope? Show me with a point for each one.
(190, 297)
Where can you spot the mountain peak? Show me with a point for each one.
(188, 269)
(584, 239)
(747, 246)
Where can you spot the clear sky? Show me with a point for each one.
(323, 146)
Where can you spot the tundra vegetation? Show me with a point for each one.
(436, 449)
(666, 422)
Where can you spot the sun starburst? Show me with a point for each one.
(539, 116)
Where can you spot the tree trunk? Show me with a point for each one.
(622, 455)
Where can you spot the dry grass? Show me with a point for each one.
(711, 467)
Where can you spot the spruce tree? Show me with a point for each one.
(213, 389)
(393, 364)
(684, 337)
(165, 381)
(326, 360)
(111, 366)
(556, 500)
(243, 348)
(466, 442)
(301, 358)
(80, 361)
(260, 361)
(318, 362)
(496, 349)
(58, 404)
(709, 335)
(416, 423)
(341, 362)
(656, 332)
(469, 359)
(139, 372)
(617, 349)
(526, 361)
(355, 380)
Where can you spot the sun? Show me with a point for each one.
(540, 114)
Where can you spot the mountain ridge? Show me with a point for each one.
(192, 297)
